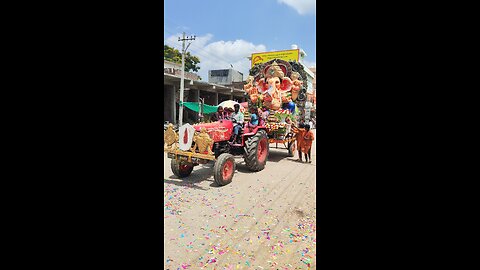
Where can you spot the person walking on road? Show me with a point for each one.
(299, 135)
(306, 147)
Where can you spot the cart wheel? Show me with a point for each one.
(224, 169)
(181, 169)
(291, 149)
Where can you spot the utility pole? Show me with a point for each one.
(182, 82)
(200, 111)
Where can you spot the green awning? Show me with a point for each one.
(195, 106)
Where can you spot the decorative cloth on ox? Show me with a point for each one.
(185, 137)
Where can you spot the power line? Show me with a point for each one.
(203, 53)
(212, 56)
(228, 62)
(224, 60)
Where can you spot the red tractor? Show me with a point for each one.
(201, 143)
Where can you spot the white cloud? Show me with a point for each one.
(301, 6)
(310, 63)
(219, 54)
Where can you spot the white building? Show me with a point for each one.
(176, 69)
(310, 80)
(224, 76)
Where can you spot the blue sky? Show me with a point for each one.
(228, 31)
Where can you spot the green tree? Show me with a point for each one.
(174, 55)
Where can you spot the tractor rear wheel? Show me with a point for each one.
(224, 169)
(256, 151)
(181, 169)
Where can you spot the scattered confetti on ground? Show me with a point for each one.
(249, 224)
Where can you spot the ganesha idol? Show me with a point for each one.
(275, 88)
(251, 89)
(297, 85)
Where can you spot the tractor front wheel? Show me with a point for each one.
(224, 169)
(181, 169)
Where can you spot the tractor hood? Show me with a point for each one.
(218, 131)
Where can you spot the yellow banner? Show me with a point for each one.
(287, 55)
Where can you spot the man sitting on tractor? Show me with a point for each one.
(237, 118)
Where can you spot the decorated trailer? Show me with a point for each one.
(277, 88)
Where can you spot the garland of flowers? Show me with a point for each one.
(279, 114)
(276, 126)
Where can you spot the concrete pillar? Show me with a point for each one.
(166, 103)
(174, 105)
(198, 99)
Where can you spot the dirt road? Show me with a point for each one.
(262, 220)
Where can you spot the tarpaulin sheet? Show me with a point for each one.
(195, 106)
